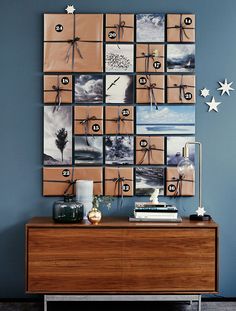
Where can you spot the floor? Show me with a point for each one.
(30, 306)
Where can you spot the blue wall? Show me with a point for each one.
(21, 122)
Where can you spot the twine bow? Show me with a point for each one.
(151, 93)
(85, 123)
(73, 44)
(182, 29)
(148, 151)
(71, 183)
(120, 28)
(179, 184)
(119, 182)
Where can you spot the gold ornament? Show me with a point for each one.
(94, 216)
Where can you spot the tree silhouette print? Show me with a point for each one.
(61, 140)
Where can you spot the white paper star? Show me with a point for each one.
(205, 92)
(70, 9)
(200, 211)
(225, 87)
(213, 104)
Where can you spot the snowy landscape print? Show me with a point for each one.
(181, 58)
(88, 150)
(119, 58)
(150, 27)
(89, 89)
(175, 146)
(119, 89)
(165, 120)
(148, 179)
(57, 136)
(119, 150)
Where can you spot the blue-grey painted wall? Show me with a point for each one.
(21, 25)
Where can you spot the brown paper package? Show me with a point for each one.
(174, 92)
(174, 22)
(50, 95)
(143, 92)
(55, 184)
(89, 30)
(125, 125)
(156, 146)
(112, 188)
(94, 125)
(148, 49)
(126, 32)
(184, 188)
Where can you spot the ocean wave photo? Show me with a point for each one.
(88, 150)
(181, 58)
(148, 179)
(89, 89)
(119, 150)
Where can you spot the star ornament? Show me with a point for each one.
(213, 105)
(200, 211)
(70, 9)
(225, 87)
(205, 92)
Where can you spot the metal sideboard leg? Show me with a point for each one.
(199, 303)
(45, 303)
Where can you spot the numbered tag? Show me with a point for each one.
(172, 188)
(59, 28)
(125, 112)
(66, 173)
(112, 35)
(95, 127)
(157, 65)
(188, 21)
(142, 80)
(65, 80)
(126, 188)
(143, 143)
(188, 96)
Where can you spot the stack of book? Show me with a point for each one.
(155, 212)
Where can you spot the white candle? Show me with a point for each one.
(84, 191)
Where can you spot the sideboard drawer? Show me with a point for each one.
(111, 259)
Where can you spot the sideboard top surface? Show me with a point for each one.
(39, 222)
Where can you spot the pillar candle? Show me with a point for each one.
(84, 191)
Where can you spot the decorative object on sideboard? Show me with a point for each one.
(225, 87)
(95, 215)
(213, 105)
(154, 196)
(68, 210)
(84, 194)
(184, 167)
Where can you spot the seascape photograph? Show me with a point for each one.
(150, 27)
(180, 57)
(119, 58)
(57, 136)
(166, 120)
(175, 147)
(119, 150)
(148, 179)
(89, 88)
(88, 150)
(119, 89)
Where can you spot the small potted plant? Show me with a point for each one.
(95, 215)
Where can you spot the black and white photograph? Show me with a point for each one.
(88, 150)
(119, 58)
(89, 88)
(150, 27)
(175, 149)
(180, 57)
(148, 179)
(57, 136)
(119, 150)
(165, 120)
(119, 89)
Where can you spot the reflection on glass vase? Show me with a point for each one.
(95, 215)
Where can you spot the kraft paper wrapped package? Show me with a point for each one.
(73, 42)
(60, 180)
(150, 89)
(180, 28)
(180, 89)
(58, 89)
(119, 181)
(119, 120)
(150, 58)
(120, 27)
(177, 185)
(149, 150)
(88, 120)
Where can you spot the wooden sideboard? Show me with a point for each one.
(120, 257)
